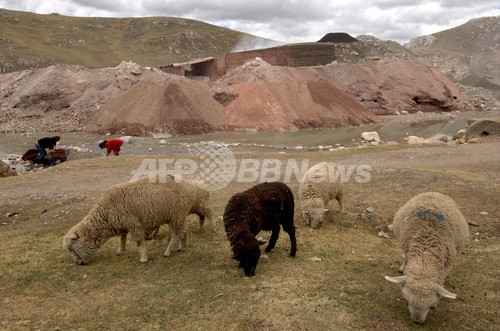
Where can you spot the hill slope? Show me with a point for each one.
(31, 40)
(469, 53)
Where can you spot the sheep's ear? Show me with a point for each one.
(445, 293)
(397, 280)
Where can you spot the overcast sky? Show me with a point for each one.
(287, 20)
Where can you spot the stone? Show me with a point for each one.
(5, 170)
(459, 134)
(161, 135)
(444, 138)
(414, 140)
(370, 136)
(315, 259)
(126, 139)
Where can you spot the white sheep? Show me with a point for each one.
(166, 179)
(431, 231)
(137, 209)
(320, 184)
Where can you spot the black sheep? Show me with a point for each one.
(262, 207)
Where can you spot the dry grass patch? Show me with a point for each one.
(202, 288)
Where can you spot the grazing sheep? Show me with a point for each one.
(138, 209)
(170, 180)
(262, 207)
(431, 230)
(320, 184)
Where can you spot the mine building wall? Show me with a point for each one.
(291, 55)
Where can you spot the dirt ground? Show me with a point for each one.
(36, 209)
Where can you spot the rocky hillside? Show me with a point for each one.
(469, 53)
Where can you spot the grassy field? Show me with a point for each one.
(202, 287)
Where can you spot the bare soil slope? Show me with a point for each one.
(255, 96)
(395, 85)
(176, 108)
(294, 105)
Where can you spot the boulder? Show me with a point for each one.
(370, 136)
(126, 139)
(460, 134)
(483, 128)
(414, 140)
(161, 135)
(5, 170)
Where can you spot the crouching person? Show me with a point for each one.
(112, 145)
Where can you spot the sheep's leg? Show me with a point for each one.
(123, 244)
(172, 245)
(403, 266)
(293, 241)
(205, 212)
(137, 234)
(142, 251)
(340, 200)
(201, 222)
(177, 233)
(184, 241)
(153, 233)
(274, 237)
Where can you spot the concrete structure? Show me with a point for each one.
(291, 55)
(206, 67)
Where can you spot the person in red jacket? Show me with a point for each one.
(111, 145)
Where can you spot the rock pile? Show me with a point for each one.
(130, 99)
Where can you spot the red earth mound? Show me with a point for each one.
(294, 105)
(176, 108)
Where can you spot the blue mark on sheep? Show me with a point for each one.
(426, 212)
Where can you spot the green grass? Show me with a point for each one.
(43, 40)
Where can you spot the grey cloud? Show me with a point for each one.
(287, 20)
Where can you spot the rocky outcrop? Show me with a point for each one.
(480, 128)
(393, 86)
(468, 53)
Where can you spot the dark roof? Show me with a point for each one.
(337, 37)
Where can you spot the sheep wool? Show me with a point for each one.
(262, 207)
(137, 209)
(171, 180)
(320, 184)
(431, 231)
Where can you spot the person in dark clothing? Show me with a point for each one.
(42, 144)
(111, 145)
